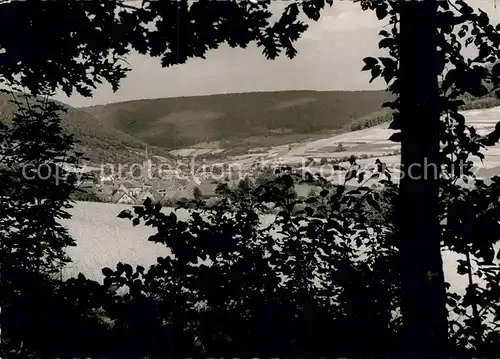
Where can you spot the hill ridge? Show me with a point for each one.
(220, 94)
(175, 122)
(99, 142)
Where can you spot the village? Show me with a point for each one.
(160, 181)
(164, 188)
(166, 181)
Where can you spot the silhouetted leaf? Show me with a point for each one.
(381, 11)
(370, 62)
(107, 272)
(125, 214)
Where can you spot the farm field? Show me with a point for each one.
(103, 240)
(374, 142)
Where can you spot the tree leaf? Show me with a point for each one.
(361, 176)
(381, 11)
(107, 272)
(373, 202)
(125, 214)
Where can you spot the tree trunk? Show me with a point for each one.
(423, 300)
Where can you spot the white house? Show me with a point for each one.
(131, 188)
(122, 198)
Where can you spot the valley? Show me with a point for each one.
(103, 239)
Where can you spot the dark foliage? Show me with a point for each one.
(34, 194)
(94, 37)
(35, 189)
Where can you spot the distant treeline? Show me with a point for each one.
(385, 115)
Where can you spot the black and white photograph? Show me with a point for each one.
(250, 179)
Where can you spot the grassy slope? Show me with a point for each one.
(100, 142)
(183, 121)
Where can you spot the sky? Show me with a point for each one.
(330, 55)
